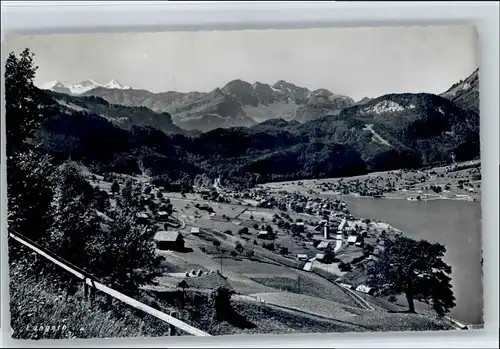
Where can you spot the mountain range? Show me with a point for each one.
(238, 103)
(81, 87)
(337, 138)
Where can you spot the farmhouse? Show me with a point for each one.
(210, 281)
(142, 217)
(162, 215)
(364, 289)
(323, 245)
(352, 239)
(263, 234)
(169, 240)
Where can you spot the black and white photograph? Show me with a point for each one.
(243, 182)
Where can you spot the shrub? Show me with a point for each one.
(345, 266)
(243, 231)
(283, 251)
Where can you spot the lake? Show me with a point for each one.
(454, 223)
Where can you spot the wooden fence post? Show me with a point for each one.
(85, 289)
(92, 295)
(172, 329)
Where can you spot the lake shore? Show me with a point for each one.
(454, 223)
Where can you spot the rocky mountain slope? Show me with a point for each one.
(465, 92)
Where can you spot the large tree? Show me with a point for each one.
(416, 269)
(28, 186)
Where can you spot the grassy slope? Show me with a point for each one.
(40, 303)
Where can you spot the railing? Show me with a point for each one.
(90, 282)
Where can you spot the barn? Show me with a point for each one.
(169, 240)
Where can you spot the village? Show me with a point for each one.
(278, 240)
(260, 243)
(459, 181)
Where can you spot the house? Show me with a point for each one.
(263, 234)
(302, 257)
(162, 215)
(142, 217)
(364, 289)
(323, 245)
(320, 257)
(346, 285)
(169, 240)
(195, 230)
(209, 281)
(358, 244)
(339, 237)
(353, 239)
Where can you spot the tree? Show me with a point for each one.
(26, 106)
(283, 250)
(29, 190)
(123, 256)
(75, 219)
(243, 231)
(415, 268)
(115, 187)
(239, 247)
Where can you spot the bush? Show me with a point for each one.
(283, 251)
(269, 246)
(228, 232)
(243, 231)
(345, 266)
(392, 298)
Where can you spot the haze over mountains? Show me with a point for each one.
(320, 134)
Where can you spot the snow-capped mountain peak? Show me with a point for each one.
(51, 84)
(116, 85)
(82, 87)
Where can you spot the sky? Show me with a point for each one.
(356, 62)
